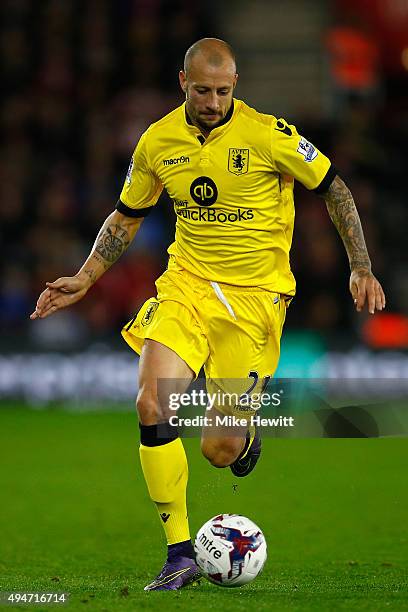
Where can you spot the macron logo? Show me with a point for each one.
(184, 159)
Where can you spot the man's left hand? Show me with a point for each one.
(364, 287)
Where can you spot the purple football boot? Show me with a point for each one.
(175, 575)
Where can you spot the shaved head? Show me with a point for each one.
(208, 81)
(213, 51)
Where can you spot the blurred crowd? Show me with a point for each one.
(81, 82)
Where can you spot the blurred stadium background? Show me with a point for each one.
(82, 81)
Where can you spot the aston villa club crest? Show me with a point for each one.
(238, 161)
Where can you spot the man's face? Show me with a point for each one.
(209, 92)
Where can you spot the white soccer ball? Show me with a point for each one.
(230, 550)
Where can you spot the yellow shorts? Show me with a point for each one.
(231, 331)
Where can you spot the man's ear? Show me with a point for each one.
(183, 80)
(235, 80)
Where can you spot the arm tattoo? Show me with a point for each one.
(343, 213)
(92, 275)
(111, 243)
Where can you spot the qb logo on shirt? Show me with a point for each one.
(204, 191)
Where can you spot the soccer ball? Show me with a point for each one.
(230, 550)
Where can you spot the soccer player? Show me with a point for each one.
(221, 302)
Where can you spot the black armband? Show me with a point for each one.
(133, 212)
(327, 181)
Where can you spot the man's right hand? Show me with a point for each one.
(61, 293)
(114, 237)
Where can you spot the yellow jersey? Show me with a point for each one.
(232, 192)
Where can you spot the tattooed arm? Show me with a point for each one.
(113, 239)
(343, 213)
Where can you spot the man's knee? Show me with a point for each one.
(221, 453)
(147, 406)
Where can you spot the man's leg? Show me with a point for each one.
(244, 353)
(239, 450)
(236, 447)
(220, 444)
(163, 459)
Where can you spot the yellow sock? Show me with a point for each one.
(166, 473)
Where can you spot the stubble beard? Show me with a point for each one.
(208, 126)
(195, 118)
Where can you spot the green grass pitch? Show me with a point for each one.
(75, 517)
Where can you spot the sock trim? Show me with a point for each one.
(157, 435)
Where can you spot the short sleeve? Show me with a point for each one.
(294, 155)
(142, 187)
